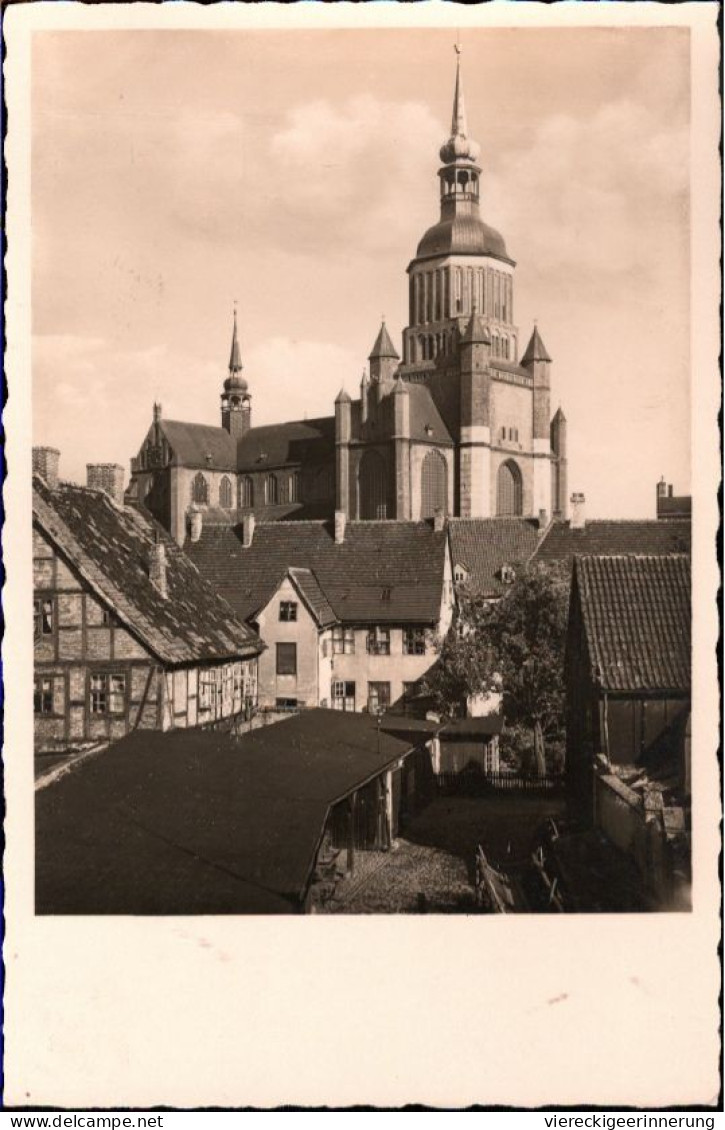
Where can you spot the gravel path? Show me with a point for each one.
(431, 868)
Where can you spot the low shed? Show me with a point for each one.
(205, 823)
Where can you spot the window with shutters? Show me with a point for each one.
(343, 695)
(378, 641)
(343, 640)
(108, 693)
(509, 490)
(378, 697)
(286, 658)
(434, 485)
(414, 641)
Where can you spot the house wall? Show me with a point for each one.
(311, 683)
(619, 813)
(363, 668)
(87, 640)
(633, 725)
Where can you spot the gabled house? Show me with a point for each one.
(128, 635)
(351, 612)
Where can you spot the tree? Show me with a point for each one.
(516, 642)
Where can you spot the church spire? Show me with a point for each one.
(235, 357)
(459, 147)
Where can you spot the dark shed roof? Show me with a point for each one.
(298, 441)
(242, 832)
(483, 545)
(383, 572)
(109, 547)
(610, 536)
(637, 621)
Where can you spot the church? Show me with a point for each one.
(458, 425)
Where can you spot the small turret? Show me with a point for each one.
(364, 391)
(537, 361)
(343, 429)
(559, 472)
(384, 359)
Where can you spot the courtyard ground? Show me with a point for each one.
(432, 868)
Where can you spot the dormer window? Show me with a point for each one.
(460, 574)
(507, 574)
(428, 430)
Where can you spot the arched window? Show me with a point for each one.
(509, 490)
(372, 487)
(294, 487)
(434, 485)
(246, 491)
(271, 490)
(200, 490)
(225, 494)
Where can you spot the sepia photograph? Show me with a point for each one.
(365, 491)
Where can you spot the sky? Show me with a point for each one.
(294, 172)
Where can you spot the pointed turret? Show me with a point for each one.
(383, 358)
(383, 346)
(476, 332)
(535, 350)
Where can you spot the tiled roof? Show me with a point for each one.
(483, 545)
(274, 512)
(424, 415)
(309, 587)
(298, 441)
(383, 572)
(609, 536)
(192, 443)
(637, 621)
(240, 836)
(109, 547)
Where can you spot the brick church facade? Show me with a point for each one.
(460, 424)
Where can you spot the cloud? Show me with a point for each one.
(593, 191)
(291, 379)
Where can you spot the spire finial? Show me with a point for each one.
(235, 358)
(459, 145)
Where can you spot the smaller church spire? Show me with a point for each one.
(383, 346)
(535, 350)
(235, 357)
(459, 145)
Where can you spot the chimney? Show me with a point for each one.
(439, 521)
(670, 491)
(543, 519)
(157, 412)
(107, 477)
(45, 464)
(340, 523)
(247, 530)
(196, 522)
(662, 488)
(157, 568)
(578, 518)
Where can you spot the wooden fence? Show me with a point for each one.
(488, 784)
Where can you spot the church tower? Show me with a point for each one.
(460, 261)
(236, 400)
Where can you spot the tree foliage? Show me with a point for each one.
(516, 643)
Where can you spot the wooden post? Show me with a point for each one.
(351, 808)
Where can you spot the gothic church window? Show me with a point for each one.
(246, 491)
(200, 490)
(434, 485)
(509, 490)
(225, 494)
(372, 487)
(271, 490)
